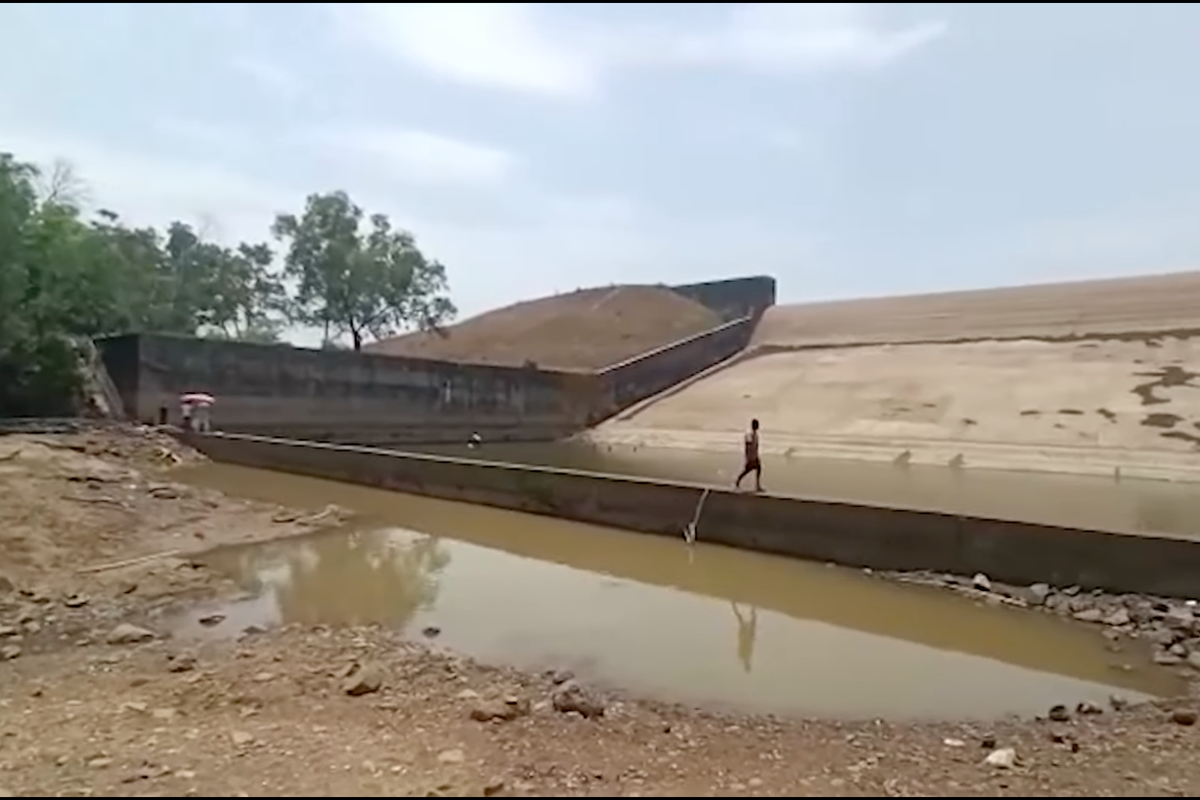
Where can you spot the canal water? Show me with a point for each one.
(1083, 501)
(701, 624)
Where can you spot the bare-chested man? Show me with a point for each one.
(753, 464)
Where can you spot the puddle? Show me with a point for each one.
(705, 624)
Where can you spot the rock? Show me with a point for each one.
(1118, 618)
(9, 630)
(1167, 659)
(981, 582)
(6, 585)
(9, 652)
(1038, 593)
(954, 743)
(454, 756)
(504, 710)
(209, 620)
(1193, 660)
(1088, 707)
(1059, 713)
(128, 634)
(1117, 702)
(1004, 758)
(183, 663)
(1089, 615)
(75, 601)
(572, 697)
(493, 788)
(99, 762)
(241, 738)
(363, 679)
(561, 676)
(431, 631)
(1183, 716)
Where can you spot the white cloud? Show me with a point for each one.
(806, 37)
(419, 157)
(500, 45)
(270, 77)
(515, 46)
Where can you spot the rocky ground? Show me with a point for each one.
(96, 698)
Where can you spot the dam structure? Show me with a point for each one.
(1096, 378)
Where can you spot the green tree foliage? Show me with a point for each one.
(359, 278)
(65, 274)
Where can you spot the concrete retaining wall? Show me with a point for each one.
(824, 530)
(636, 379)
(735, 298)
(339, 396)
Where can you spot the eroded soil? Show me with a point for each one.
(96, 546)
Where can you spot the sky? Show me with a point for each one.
(848, 149)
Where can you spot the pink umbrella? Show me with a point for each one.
(197, 398)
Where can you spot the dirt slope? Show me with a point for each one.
(584, 330)
(1114, 306)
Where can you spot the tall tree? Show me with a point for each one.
(359, 276)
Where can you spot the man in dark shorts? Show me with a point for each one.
(753, 464)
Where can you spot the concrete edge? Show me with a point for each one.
(821, 529)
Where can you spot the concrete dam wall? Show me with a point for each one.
(811, 528)
(340, 396)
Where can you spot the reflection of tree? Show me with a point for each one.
(747, 630)
(382, 576)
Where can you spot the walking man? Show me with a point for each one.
(753, 464)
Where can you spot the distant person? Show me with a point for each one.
(753, 464)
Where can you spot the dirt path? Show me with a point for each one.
(97, 699)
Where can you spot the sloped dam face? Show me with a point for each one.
(700, 624)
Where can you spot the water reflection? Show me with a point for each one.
(383, 575)
(653, 614)
(747, 627)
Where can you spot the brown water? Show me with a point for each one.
(1072, 500)
(702, 624)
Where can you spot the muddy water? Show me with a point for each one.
(703, 624)
(1071, 500)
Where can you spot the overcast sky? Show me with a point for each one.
(847, 149)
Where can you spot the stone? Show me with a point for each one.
(1059, 713)
(454, 756)
(75, 601)
(572, 697)
(981, 582)
(364, 679)
(241, 738)
(1183, 716)
(129, 634)
(1038, 593)
(1118, 618)
(9, 630)
(9, 652)
(1089, 615)
(1088, 707)
(1193, 660)
(503, 710)
(181, 663)
(1004, 758)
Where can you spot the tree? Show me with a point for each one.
(370, 282)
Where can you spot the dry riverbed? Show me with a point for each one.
(96, 698)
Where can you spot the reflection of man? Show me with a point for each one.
(747, 628)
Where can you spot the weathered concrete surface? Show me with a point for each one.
(856, 535)
(734, 298)
(1113, 307)
(342, 396)
(1088, 406)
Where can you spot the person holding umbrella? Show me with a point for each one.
(194, 409)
